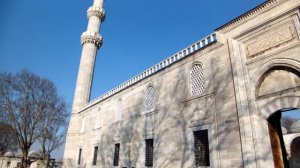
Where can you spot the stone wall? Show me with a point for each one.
(244, 82)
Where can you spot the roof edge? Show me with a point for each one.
(195, 47)
(264, 6)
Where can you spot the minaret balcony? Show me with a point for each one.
(91, 37)
(96, 11)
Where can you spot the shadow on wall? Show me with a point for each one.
(172, 114)
(173, 123)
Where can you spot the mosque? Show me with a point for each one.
(216, 103)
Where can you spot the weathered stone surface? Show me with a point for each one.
(249, 72)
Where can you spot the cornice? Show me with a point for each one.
(244, 17)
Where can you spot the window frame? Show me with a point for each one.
(212, 143)
(79, 156)
(147, 99)
(116, 158)
(205, 142)
(147, 164)
(95, 155)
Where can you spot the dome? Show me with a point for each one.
(19, 155)
(284, 130)
(9, 154)
(295, 127)
(34, 154)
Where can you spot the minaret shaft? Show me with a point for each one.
(91, 42)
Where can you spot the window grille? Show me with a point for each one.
(149, 153)
(116, 156)
(95, 155)
(79, 156)
(150, 98)
(197, 80)
(201, 148)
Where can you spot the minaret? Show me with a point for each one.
(91, 41)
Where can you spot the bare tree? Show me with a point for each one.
(25, 100)
(8, 140)
(287, 121)
(53, 134)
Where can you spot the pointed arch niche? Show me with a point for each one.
(278, 80)
(275, 86)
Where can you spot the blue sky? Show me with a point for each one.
(43, 36)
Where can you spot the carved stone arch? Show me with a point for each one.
(260, 73)
(279, 104)
(197, 63)
(268, 105)
(150, 85)
(290, 140)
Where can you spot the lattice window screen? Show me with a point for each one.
(150, 98)
(197, 80)
(201, 148)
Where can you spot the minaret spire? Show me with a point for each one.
(91, 41)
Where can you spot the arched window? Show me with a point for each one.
(276, 80)
(197, 80)
(149, 105)
(119, 110)
(98, 119)
(82, 124)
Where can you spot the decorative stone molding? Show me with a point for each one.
(278, 104)
(96, 11)
(149, 121)
(91, 37)
(200, 109)
(241, 19)
(270, 41)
